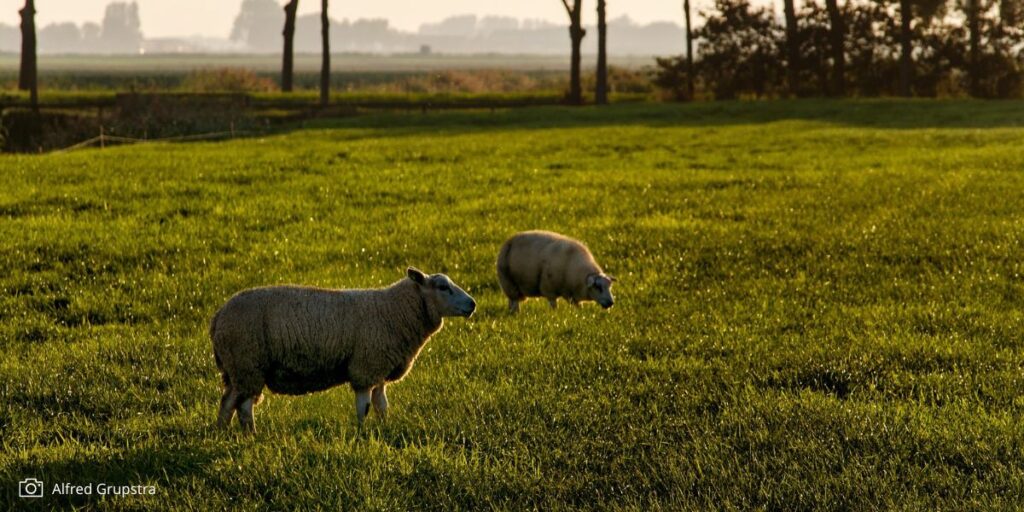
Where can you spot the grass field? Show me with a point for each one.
(818, 306)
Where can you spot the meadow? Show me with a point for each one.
(817, 307)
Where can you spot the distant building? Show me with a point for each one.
(425, 49)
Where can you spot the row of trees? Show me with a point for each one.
(863, 47)
(28, 76)
(576, 35)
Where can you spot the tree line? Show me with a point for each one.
(858, 48)
(28, 73)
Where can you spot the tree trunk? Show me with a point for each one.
(906, 65)
(974, 60)
(689, 49)
(325, 67)
(601, 92)
(792, 47)
(287, 64)
(837, 36)
(28, 77)
(576, 33)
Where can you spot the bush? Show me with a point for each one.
(226, 80)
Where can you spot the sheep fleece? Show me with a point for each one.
(545, 264)
(298, 340)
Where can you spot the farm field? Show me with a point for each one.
(818, 306)
(406, 73)
(304, 62)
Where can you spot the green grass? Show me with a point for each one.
(818, 306)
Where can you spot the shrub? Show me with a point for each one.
(226, 80)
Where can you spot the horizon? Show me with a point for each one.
(201, 18)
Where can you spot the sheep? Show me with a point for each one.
(296, 340)
(550, 265)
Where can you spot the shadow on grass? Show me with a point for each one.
(883, 114)
(886, 114)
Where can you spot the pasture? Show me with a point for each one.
(818, 306)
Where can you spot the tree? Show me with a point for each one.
(256, 25)
(287, 64)
(926, 10)
(325, 66)
(837, 43)
(122, 30)
(601, 92)
(689, 49)
(974, 58)
(906, 64)
(28, 77)
(576, 33)
(740, 50)
(792, 47)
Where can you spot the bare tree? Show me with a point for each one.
(576, 33)
(792, 47)
(601, 91)
(837, 37)
(287, 64)
(689, 49)
(325, 66)
(28, 77)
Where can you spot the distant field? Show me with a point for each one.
(818, 307)
(350, 73)
(305, 62)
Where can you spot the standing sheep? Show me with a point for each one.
(549, 265)
(296, 340)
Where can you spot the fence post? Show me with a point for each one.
(102, 142)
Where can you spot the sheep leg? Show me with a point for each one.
(380, 401)
(513, 306)
(362, 405)
(227, 408)
(553, 302)
(245, 416)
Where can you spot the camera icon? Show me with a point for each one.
(30, 488)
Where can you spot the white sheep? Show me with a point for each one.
(549, 265)
(296, 340)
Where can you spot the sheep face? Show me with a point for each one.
(599, 289)
(445, 295)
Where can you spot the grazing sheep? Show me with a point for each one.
(549, 265)
(296, 340)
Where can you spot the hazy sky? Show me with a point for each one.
(214, 17)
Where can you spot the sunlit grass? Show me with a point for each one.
(817, 307)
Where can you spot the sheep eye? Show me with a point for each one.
(444, 287)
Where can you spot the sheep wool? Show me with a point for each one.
(295, 340)
(550, 265)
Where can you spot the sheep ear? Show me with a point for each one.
(416, 275)
(591, 279)
(611, 278)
